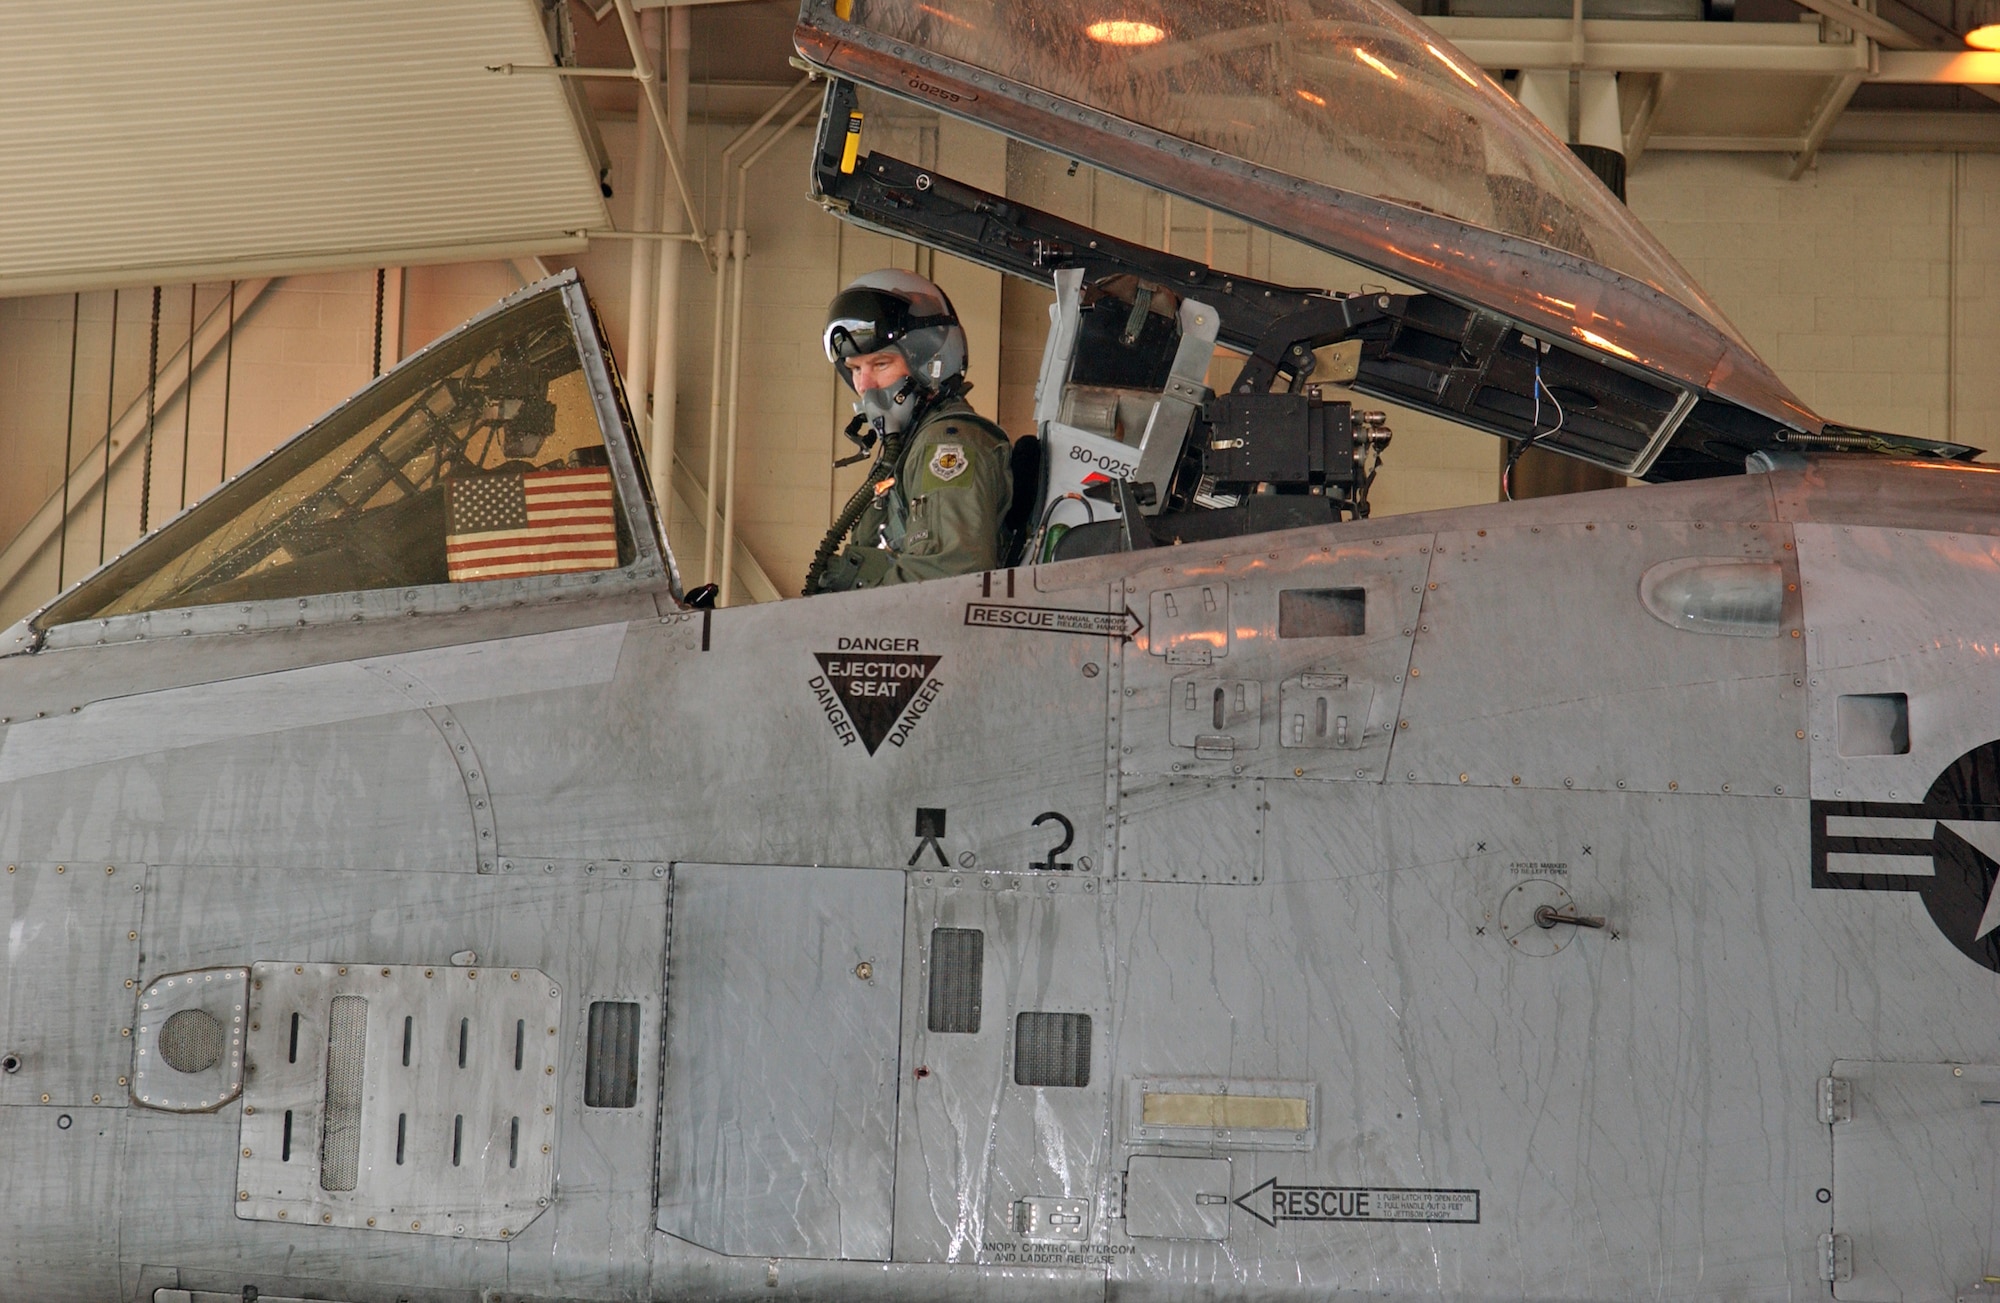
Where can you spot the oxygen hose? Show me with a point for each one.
(836, 534)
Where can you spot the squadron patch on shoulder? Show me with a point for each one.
(948, 461)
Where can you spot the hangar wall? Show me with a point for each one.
(1871, 285)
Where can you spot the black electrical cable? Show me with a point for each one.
(381, 293)
(228, 367)
(1535, 433)
(152, 409)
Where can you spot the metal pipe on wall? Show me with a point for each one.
(667, 287)
(645, 208)
(740, 239)
(724, 247)
(649, 88)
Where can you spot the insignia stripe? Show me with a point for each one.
(1908, 866)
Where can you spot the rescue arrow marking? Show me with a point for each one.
(1053, 619)
(1348, 1203)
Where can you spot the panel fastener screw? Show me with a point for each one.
(246, 1153)
(371, 1221)
(242, 1196)
(124, 1031)
(1296, 773)
(61, 869)
(129, 984)
(121, 1081)
(385, 972)
(131, 936)
(865, 971)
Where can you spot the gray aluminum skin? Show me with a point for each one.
(677, 820)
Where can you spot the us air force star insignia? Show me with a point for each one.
(1945, 849)
(948, 462)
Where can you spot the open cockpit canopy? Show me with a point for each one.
(491, 467)
(1349, 125)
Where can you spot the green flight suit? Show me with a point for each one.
(940, 512)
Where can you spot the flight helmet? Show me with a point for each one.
(896, 310)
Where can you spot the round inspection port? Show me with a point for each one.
(10, 1064)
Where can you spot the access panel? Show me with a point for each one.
(784, 992)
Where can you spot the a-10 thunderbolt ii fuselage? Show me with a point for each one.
(410, 896)
(1301, 1028)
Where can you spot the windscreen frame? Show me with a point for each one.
(650, 568)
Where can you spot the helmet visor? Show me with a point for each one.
(862, 321)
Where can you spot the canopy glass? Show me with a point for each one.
(1345, 123)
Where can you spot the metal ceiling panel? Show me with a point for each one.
(228, 138)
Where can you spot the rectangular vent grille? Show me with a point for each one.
(611, 1065)
(1052, 1049)
(958, 966)
(340, 1130)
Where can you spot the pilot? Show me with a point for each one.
(934, 502)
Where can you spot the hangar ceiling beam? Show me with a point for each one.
(1831, 106)
(1612, 45)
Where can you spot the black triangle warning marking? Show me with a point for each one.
(875, 687)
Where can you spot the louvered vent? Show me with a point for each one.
(611, 1065)
(346, 1064)
(416, 1099)
(958, 965)
(1052, 1049)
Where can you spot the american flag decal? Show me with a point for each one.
(541, 523)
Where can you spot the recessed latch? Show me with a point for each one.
(1044, 1218)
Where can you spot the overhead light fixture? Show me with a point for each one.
(1982, 26)
(1125, 31)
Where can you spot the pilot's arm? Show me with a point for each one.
(957, 485)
